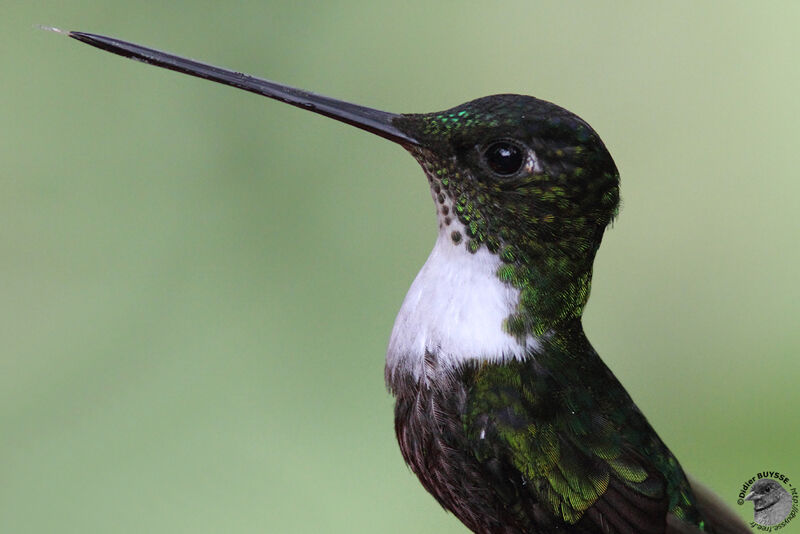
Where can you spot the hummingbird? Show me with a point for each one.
(504, 410)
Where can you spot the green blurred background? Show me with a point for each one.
(199, 284)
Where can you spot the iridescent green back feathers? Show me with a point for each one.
(574, 434)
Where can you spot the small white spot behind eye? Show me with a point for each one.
(532, 165)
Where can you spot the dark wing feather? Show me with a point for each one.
(583, 464)
(717, 513)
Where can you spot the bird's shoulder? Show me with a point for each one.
(572, 441)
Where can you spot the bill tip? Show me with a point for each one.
(52, 29)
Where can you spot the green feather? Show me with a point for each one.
(570, 431)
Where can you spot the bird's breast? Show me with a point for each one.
(454, 312)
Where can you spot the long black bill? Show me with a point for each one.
(371, 120)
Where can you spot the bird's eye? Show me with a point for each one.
(504, 157)
(767, 489)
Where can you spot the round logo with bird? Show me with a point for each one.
(775, 500)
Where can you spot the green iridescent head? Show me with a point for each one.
(529, 181)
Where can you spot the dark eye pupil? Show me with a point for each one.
(503, 157)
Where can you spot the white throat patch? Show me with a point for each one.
(454, 311)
